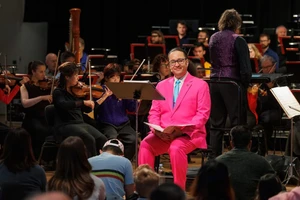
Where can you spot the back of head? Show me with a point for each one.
(167, 191)
(145, 180)
(212, 182)
(230, 20)
(240, 136)
(114, 146)
(65, 56)
(17, 152)
(72, 174)
(50, 196)
(269, 186)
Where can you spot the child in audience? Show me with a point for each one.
(145, 180)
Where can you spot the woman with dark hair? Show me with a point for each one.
(212, 182)
(73, 172)
(269, 185)
(70, 109)
(18, 168)
(160, 65)
(34, 99)
(111, 113)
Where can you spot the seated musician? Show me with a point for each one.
(83, 54)
(70, 109)
(270, 111)
(191, 107)
(160, 65)
(199, 51)
(157, 37)
(34, 99)
(111, 114)
(6, 96)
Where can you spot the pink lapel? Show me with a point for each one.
(184, 89)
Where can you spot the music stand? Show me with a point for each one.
(136, 90)
(291, 107)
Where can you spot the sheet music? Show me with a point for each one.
(287, 101)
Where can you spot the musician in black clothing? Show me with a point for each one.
(34, 99)
(70, 109)
(270, 111)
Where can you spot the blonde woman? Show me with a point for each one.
(254, 52)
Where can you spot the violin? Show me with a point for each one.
(46, 84)
(82, 90)
(9, 79)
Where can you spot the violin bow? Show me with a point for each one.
(137, 69)
(55, 70)
(90, 77)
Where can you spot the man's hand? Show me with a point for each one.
(161, 135)
(175, 134)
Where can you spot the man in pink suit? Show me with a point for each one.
(191, 106)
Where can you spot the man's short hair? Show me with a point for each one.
(267, 57)
(240, 136)
(65, 55)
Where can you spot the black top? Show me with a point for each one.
(243, 60)
(245, 169)
(69, 107)
(37, 110)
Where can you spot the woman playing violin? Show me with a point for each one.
(111, 113)
(34, 99)
(70, 109)
(6, 94)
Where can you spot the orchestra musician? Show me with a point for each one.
(83, 54)
(6, 95)
(270, 111)
(70, 109)
(160, 65)
(111, 113)
(34, 99)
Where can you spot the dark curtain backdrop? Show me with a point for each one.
(115, 24)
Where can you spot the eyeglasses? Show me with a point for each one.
(180, 61)
(164, 65)
(268, 66)
(263, 40)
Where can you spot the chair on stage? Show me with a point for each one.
(52, 142)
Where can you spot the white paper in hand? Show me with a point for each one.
(159, 128)
(154, 126)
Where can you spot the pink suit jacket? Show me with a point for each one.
(192, 107)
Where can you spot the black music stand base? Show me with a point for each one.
(291, 167)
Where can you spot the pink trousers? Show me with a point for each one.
(178, 149)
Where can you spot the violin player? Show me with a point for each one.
(270, 111)
(6, 95)
(70, 108)
(111, 113)
(34, 99)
